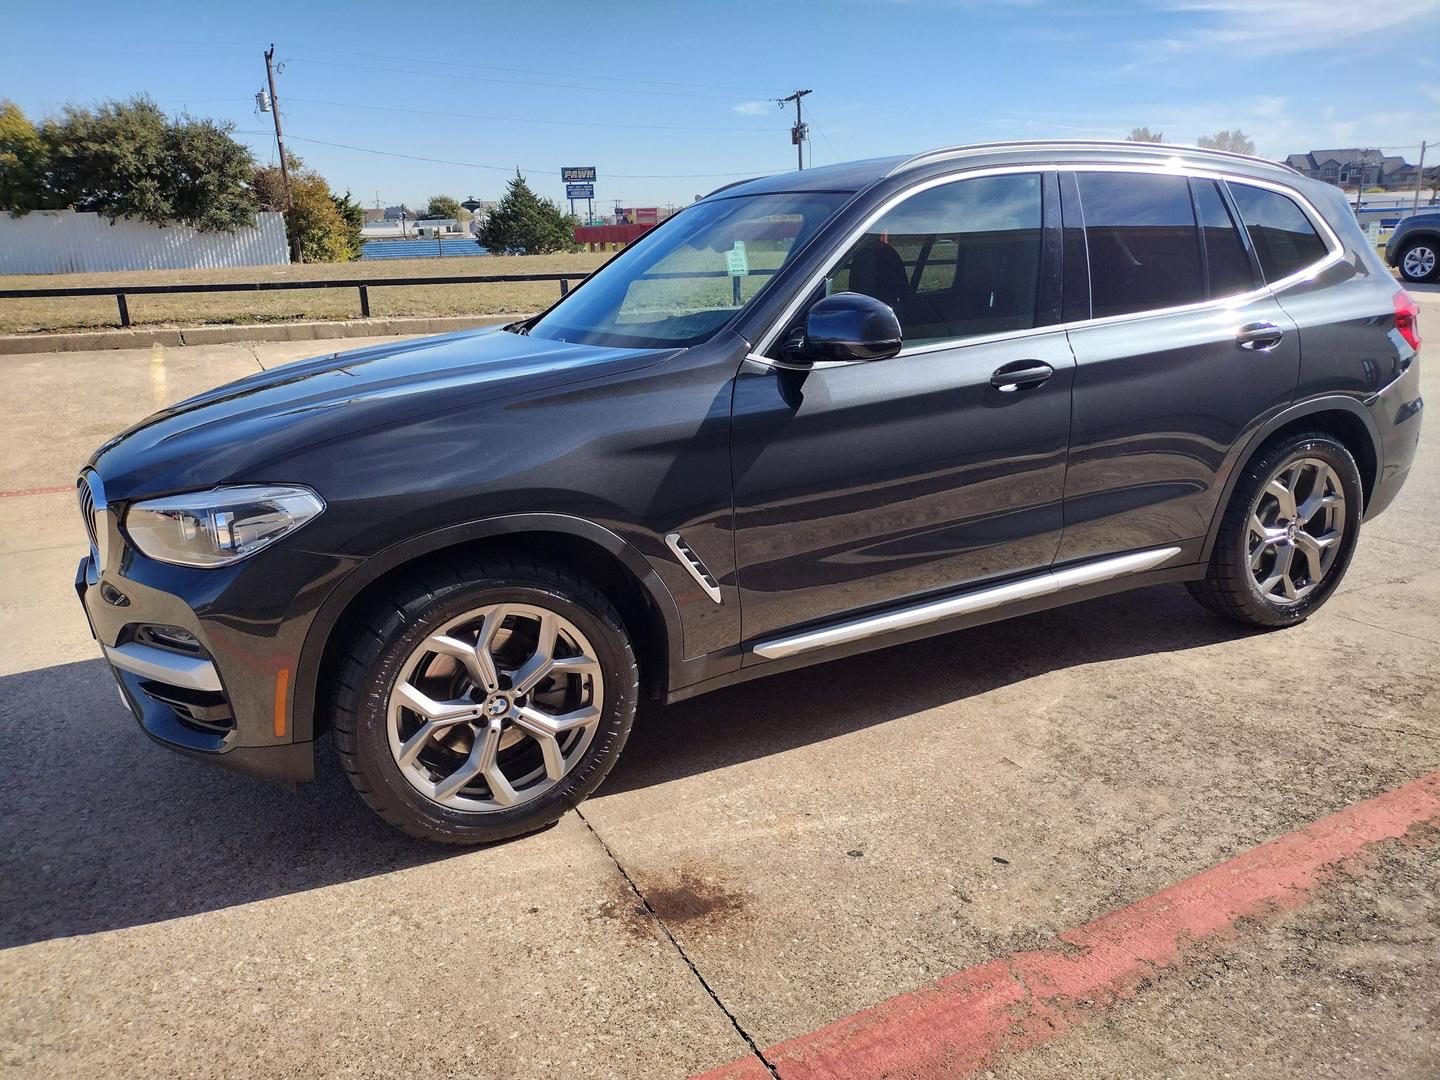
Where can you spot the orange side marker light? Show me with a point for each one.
(282, 685)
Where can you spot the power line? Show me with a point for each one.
(507, 82)
(506, 168)
(815, 120)
(528, 119)
(521, 71)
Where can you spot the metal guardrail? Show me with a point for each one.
(120, 292)
(364, 285)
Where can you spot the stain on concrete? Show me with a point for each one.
(693, 897)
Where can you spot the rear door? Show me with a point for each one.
(864, 484)
(1179, 351)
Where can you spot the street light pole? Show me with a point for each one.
(1419, 176)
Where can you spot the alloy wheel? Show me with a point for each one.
(1418, 263)
(1296, 524)
(495, 707)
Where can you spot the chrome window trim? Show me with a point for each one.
(1173, 167)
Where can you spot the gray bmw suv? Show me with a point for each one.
(810, 415)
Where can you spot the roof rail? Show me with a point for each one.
(976, 149)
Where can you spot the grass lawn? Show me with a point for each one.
(200, 309)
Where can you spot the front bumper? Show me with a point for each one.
(229, 699)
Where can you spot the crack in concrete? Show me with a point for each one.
(255, 355)
(1387, 629)
(679, 949)
(1389, 730)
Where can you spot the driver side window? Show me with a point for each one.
(955, 261)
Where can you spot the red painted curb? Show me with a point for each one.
(37, 491)
(960, 1024)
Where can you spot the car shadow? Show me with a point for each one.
(809, 705)
(104, 830)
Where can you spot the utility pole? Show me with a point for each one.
(1419, 175)
(284, 168)
(799, 132)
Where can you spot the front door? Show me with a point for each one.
(866, 484)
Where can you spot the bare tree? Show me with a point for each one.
(1144, 134)
(1235, 141)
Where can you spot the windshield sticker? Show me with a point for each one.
(735, 260)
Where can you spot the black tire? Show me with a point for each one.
(386, 634)
(1424, 242)
(1228, 588)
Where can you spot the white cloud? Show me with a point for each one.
(1277, 127)
(1283, 26)
(1270, 107)
(754, 108)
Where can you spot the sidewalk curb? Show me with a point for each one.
(173, 337)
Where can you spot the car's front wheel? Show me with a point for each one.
(1287, 534)
(1418, 262)
(479, 706)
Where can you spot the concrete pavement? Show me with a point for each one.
(764, 861)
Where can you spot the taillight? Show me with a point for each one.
(1407, 318)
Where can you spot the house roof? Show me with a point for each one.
(1352, 155)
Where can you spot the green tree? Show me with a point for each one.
(1144, 134)
(22, 161)
(525, 224)
(443, 206)
(1235, 141)
(327, 224)
(128, 159)
(353, 214)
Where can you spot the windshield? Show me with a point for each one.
(679, 284)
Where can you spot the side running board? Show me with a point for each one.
(1043, 584)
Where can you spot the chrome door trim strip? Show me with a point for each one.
(692, 563)
(173, 669)
(1043, 584)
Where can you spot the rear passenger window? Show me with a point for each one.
(1144, 247)
(1226, 260)
(958, 260)
(1283, 237)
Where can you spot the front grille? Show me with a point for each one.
(92, 505)
(87, 510)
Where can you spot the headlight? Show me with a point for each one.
(219, 527)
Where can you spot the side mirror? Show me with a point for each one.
(850, 327)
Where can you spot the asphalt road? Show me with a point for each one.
(765, 861)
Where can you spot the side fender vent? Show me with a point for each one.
(691, 562)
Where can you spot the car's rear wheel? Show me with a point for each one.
(1418, 261)
(485, 705)
(1288, 533)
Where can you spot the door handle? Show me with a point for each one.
(1020, 375)
(1259, 336)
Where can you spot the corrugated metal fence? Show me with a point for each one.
(426, 248)
(64, 242)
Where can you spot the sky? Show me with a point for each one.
(397, 102)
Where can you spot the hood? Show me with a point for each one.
(208, 438)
